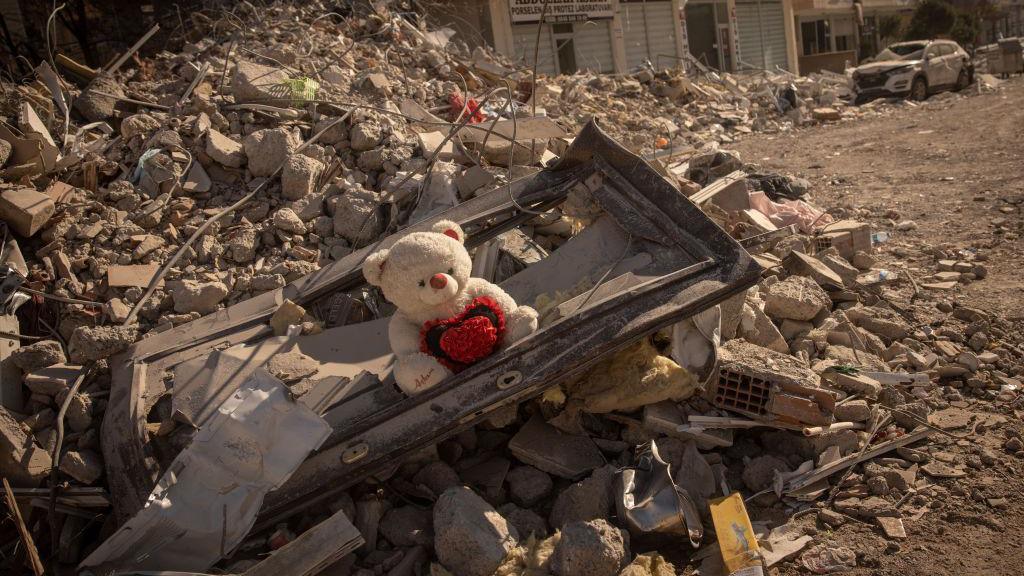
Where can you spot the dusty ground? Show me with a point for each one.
(955, 166)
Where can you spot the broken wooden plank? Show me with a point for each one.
(314, 550)
(26, 536)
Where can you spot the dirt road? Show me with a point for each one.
(955, 166)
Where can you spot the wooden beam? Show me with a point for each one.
(26, 536)
(313, 551)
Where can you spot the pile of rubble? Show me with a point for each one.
(139, 200)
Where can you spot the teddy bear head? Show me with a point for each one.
(422, 271)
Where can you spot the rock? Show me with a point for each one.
(1014, 445)
(79, 414)
(870, 507)
(287, 220)
(796, 298)
(52, 380)
(96, 343)
(94, 103)
(25, 210)
(266, 282)
(528, 485)
(470, 537)
(649, 564)
(193, 296)
(365, 135)
(82, 465)
(21, 462)
(878, 486)
(5, 151)
(527, 522)
(298, 179)
(588, 499)
(241, 247)
(853, 411)
(437, 477)
(826, 114)
(883, 322)
(594, 548)
(831, 518)
(357, 217)
(407, 526)
(37, 356)
(862, 261)
(760, 472)
(906, 226)
(138, 124)
(268, 149)
(287, 314)
(253, 82)
(225, 150)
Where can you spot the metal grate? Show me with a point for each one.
(742, 393)
(822, 243)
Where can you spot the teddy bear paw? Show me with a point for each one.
(521, 323)
(419, 372)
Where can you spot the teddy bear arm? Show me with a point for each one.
(477, 287)
(403, 335)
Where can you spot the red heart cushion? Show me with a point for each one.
(469, 340)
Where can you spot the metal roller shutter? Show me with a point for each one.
(762, 34)
(593, 42)
(524, 36)
(649, 29)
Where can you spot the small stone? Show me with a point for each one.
(357, 217)
(288, 221)
(96, 343)
(853, 411)
(82, 465)
(79, 414)
(588, 499)
(906, 226)
(37, 356)
(437, 477)
(527, 522)
(831, 518)
(298, 179)
(1014, 445)
(287, 314)
(759, 473)
(878, 486)
(193, 296)
(241, 247)
(99, 99)
(470, 537)
(268, 149)
(266, 282)
(408, 526)
(253, 82)
(594, 548)
(528, 485)
(224, 150)
(365, 135)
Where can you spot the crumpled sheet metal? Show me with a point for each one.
(650, 501)
(207, 501)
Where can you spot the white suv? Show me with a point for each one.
(913, 69)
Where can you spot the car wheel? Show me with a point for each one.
(962, 81)
(919, 89)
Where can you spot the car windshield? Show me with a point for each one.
(902, 52)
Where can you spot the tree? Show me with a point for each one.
(931, 19)
(889, 28)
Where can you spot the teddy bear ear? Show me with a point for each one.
(373, 266)
(450, 229)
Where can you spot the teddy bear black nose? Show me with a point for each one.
(438, 281)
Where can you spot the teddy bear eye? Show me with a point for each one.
(422, 283)
(451, 271)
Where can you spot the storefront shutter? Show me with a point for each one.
(762, 32)
(524, 37)
(648, 29)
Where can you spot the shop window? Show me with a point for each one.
(816, 37)
(842, 31)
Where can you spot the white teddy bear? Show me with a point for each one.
(446, 321)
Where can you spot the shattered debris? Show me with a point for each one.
(192, 354)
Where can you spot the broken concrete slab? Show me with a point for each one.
(253, 82)
(543, 446)
(595, 548)
(225, 150)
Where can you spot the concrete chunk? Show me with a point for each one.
(470, 537)
(594, 548)
(542, 446)
(25, 210)
(192, 296)
(796, 298)
(225, 150)
(298, 179)
(253, 82)
(268, 149)
(21, 461)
